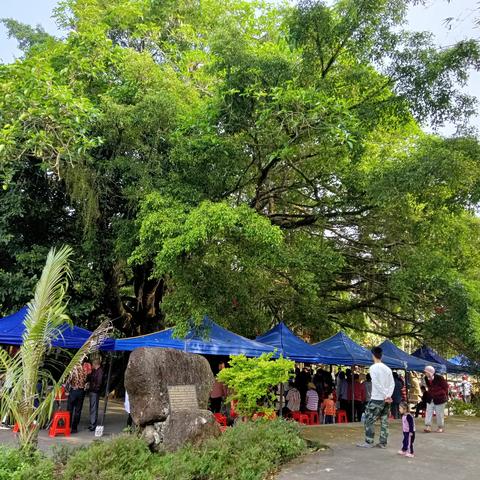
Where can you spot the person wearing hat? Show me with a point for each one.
(312, 398)
(437, 388)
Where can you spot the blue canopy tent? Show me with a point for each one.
(426, 353)
(347, 352)
(344, 351)
(208, 339)
(460, 361)
(293, 347)
(413, 363)
(12, 328)
(465, 364)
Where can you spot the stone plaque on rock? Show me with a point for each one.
(182, 397)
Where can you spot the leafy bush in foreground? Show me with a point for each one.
(123, 458)
(249, 451)
(15, 464)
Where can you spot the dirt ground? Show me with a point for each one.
(453, 455)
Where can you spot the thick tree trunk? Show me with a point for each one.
(149, 294)
(142, 313)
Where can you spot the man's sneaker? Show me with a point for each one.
(409, 455)
(401, 452)
(427, 429)
(381, 445)
(365, 445)
(440, 430)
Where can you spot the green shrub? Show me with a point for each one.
(459, 407)
(249, 451)
(62, 453)
(16, 464)
(126, 457)
(251, 381)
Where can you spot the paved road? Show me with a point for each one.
(453, 455)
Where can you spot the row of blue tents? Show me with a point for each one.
(209, 338)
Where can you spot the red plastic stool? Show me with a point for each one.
(301, 418)
(16, 427)
(221, 419)
(342, 416)
(312, 417)
(56, 429)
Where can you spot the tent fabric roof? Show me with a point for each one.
(464, 363)
(347, 352)
(413, 363)
(12, 328)
(430, 355)
(459, 360)
(207, 339)
(293, 347)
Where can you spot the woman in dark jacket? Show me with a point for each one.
(437, 388)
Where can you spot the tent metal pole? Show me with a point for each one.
(99, 430)
(353, 393)
(448, 394)
(281, 400)
(406, 384)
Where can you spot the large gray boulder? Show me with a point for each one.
(151, 371)
(169, 391)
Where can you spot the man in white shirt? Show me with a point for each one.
(466, 389)
(379, 405)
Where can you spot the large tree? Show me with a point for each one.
(253, 162)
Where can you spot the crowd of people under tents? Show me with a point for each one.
(308, 391)
(321, 393)
(320, 390)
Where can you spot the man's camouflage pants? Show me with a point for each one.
(376, 409)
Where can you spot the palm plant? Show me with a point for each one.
(25, 371)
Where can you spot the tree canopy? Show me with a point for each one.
(248, 160)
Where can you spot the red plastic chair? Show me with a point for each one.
(342, 416)
(312, 417)
(221, 419)
(60, 424)
(301, 418)
(233, 413)
(16, 427)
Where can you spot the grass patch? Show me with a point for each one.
(17, 465)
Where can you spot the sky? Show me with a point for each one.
(430, 16)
